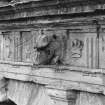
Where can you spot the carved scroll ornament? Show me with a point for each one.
(77, 47)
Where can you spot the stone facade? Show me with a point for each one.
(52, 52)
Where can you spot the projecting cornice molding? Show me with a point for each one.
(61, 77)
(49, 8)
(81, 24)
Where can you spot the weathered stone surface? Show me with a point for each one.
(3, 89)
(91, 80)
(50, 47)
(85, 98)
(59, 82)
(23, 93)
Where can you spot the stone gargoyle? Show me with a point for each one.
(49, 49)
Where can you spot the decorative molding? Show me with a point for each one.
(43, 8)
(56, 78)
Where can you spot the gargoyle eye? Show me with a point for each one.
(54, 36)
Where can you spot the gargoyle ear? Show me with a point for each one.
(54, 36)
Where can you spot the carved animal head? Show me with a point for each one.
(42, 50)
(43, 40)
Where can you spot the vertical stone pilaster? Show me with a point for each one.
(85, 98)
(24, 93)
(3, 89)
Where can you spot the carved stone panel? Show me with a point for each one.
(60, 46)
(50, 47)
(1, 46)
(27, 42)
(85, 98)
(72, 48)
(17, 47)
(8, 46)
(102, 50)
(81, 49)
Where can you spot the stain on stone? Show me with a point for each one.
(71, 96)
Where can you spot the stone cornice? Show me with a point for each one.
(56, 21)
(61, 78)
(37, 14)
(44, 8)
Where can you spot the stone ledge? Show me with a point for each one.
(63, 78)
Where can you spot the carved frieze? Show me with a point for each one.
(49, 47)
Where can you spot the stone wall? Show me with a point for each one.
(24, 93)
